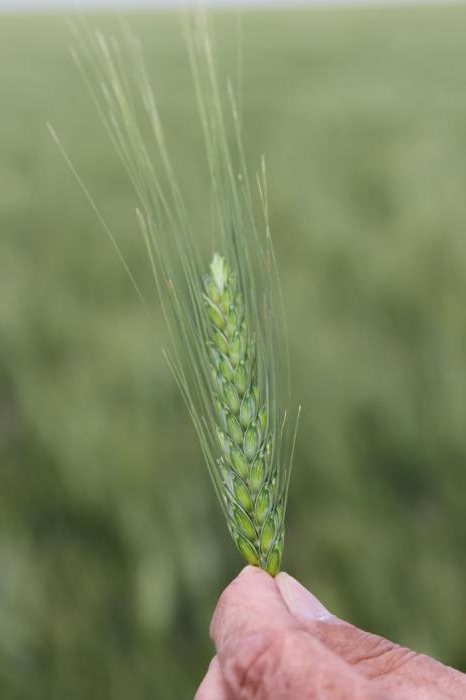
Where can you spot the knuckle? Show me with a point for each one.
(276, 666)
(377, 656)
(257, 666)
(287, 665)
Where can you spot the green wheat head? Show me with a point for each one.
(228, 349)
(246, 469)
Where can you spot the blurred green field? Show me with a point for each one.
(112, 547)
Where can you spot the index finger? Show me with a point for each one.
(250, 605)
(264, 651)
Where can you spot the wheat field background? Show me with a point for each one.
(113, 550)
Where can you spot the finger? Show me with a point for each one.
(392, 668)
(264, 652)
(213, 686)
(249, 605)
(356, 647)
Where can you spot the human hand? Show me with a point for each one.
(275, 641)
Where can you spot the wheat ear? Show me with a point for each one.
(228, 351)
(246, 469)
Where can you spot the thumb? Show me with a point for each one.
(392, 667)
(345, 640)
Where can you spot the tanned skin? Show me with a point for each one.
(275, 641)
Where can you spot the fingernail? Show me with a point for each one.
(300, 602)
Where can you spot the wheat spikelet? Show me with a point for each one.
(247, 471)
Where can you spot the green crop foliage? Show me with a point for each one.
(112, 546)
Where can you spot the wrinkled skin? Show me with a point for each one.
(275, 641)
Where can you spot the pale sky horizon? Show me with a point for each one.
(41, 5)
(96, 4)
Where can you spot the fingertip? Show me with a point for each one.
(251, 572)
(250, 604)
(247, 570)
(301, 603)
